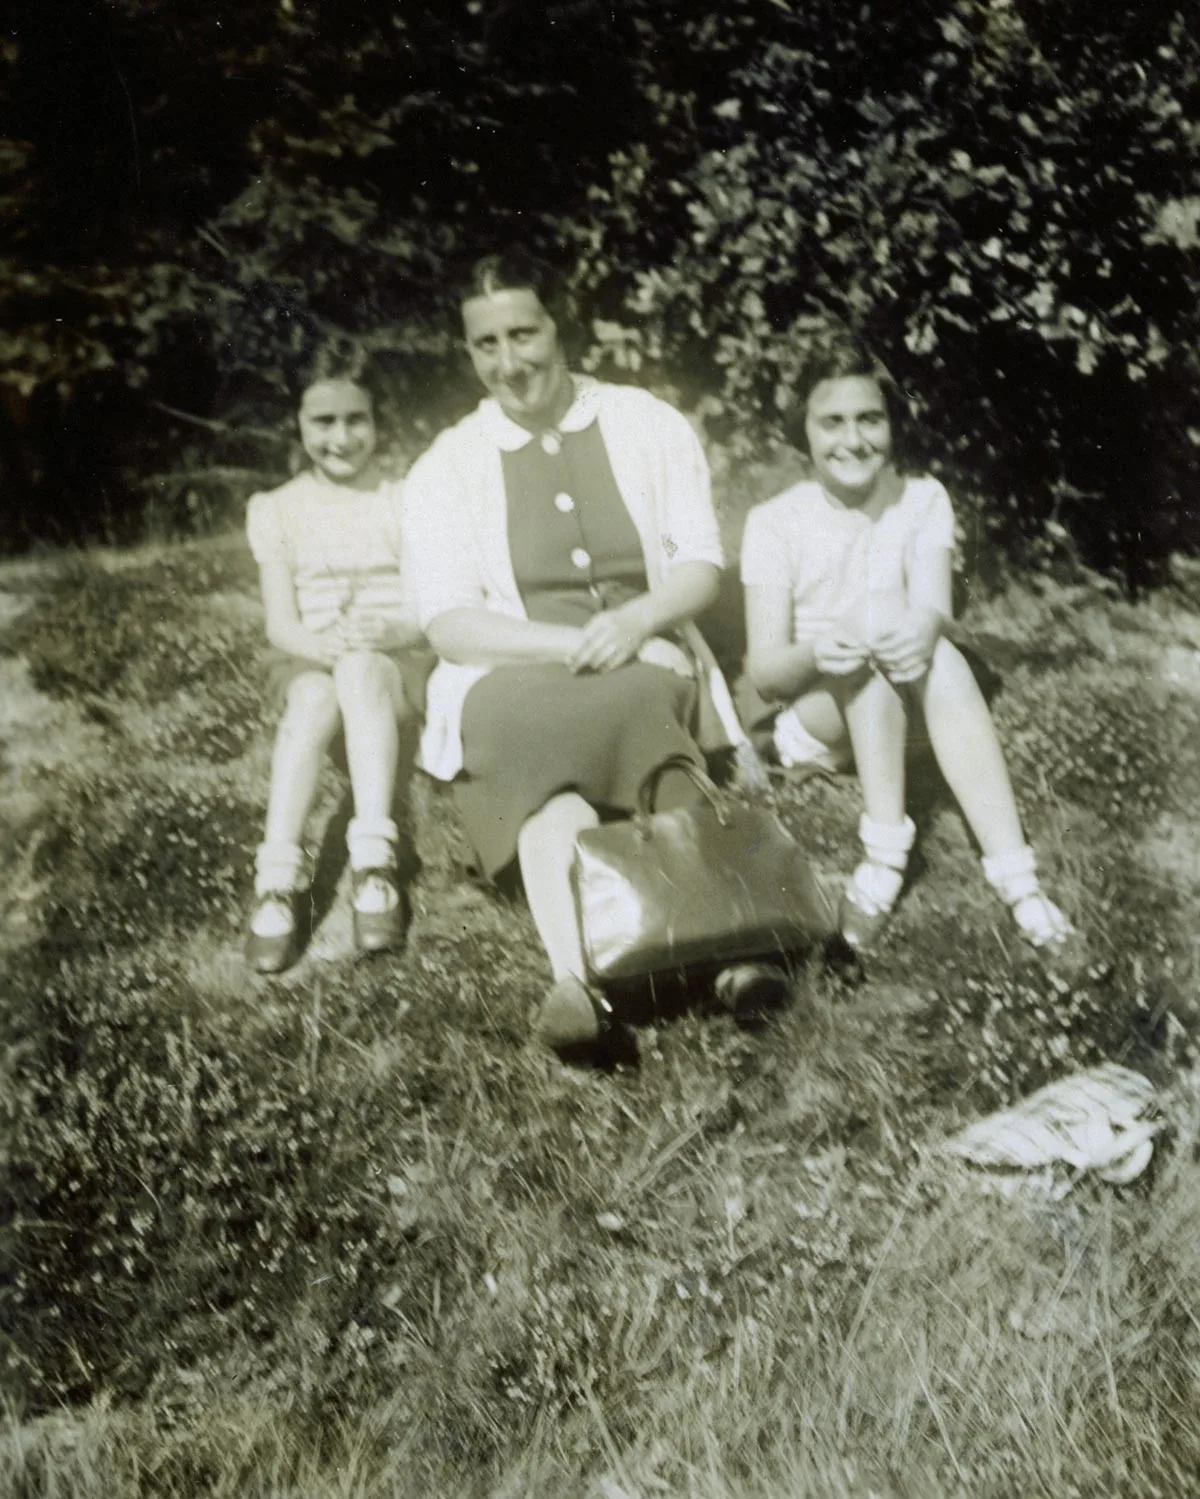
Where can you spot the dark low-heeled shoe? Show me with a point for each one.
(572, 1015)
(750, 991)
(379, 931)
(275, 952)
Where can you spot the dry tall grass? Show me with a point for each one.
(348, 1235)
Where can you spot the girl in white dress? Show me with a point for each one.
(848, 596)
(346, 655)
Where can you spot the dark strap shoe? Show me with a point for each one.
(281, 943)
(381, 926)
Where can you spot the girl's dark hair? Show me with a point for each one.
(518, 269)
(842, 355)
(338, 357)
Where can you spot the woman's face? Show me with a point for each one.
(849, 436)
(514, 347)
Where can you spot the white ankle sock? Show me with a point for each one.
(372, 842)
(279, 866)
(878, 879)
(1013, 876)
(274, 917)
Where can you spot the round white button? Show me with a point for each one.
(581, 558)
(551, 443)
(564, 504)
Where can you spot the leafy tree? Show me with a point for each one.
(1001, 194)
(998, 195)
(199, 190)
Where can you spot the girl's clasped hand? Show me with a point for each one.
(902, 650)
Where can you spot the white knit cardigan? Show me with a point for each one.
(456, 530)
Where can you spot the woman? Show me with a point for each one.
(563, 535)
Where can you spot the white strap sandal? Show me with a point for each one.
(1013, 876)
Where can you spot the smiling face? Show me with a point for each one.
(337, 429)
(514, 347)
(849, 436)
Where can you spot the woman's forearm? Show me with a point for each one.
(687, 590)
(481, 637)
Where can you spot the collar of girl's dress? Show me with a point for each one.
(511, 436)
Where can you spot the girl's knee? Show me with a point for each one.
(949, 673)
(367, 674)
(869, 694)
(311, 706)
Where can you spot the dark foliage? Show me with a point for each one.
(1000, 195)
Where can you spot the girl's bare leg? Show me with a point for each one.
(878, 723)
(819, 712)
(877, 720)
(310, 720)
(968, 751)
(371, 696)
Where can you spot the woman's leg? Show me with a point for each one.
(545, 847)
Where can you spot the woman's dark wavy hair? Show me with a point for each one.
(841, 355)
(519, 269)
(338, 356)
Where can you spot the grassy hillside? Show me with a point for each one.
(348, 1234)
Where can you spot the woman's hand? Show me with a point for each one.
(904, 649)
(610, 639)
(839, 652)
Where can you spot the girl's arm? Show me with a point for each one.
(368, 632)
(615, 636)
(906, 648)
(284, 629)
(778, 666)
(482, 637)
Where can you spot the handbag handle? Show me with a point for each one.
(648, 794)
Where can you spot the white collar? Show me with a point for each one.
(510, 436)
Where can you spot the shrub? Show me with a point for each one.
(999, 197)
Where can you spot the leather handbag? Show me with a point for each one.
(704, 884)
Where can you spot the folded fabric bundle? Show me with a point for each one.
(1102, 1120)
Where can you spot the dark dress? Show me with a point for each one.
(532, 731)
